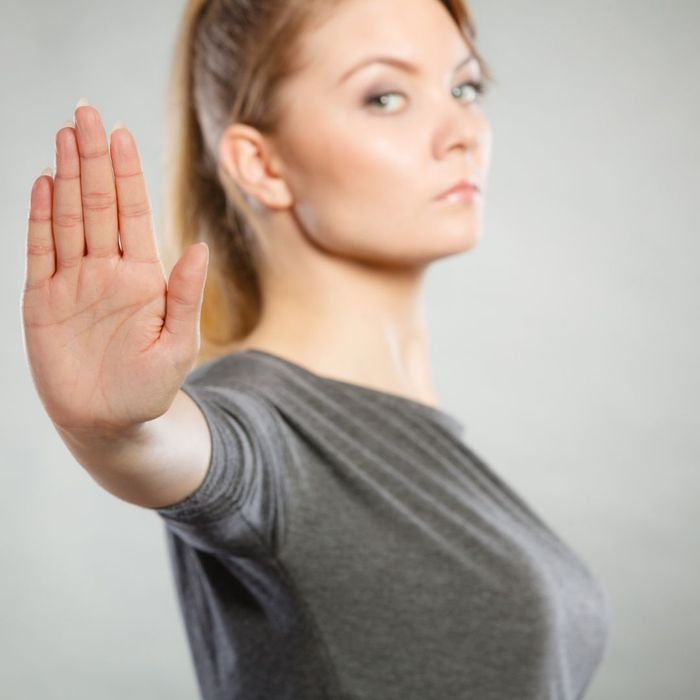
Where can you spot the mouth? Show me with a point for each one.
(464, 190)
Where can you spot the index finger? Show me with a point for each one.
(134, 209)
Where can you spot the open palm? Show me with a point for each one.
(109, 341)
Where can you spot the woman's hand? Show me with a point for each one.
(109, 342)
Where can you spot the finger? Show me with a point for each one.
(185, 292)
(40, 247)
(99, 197)
(133, 206)
(67, 205)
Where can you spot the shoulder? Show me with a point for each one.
(231, 393)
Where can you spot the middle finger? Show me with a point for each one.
(97, 184)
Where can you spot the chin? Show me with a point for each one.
(444, 247)
(457, 239)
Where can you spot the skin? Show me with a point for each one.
(347, 208)
(348, 212)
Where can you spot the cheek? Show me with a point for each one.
(368, 177)
(367, 195)
(359, 208)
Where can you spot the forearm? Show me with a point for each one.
(153, 464)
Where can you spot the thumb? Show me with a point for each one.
(184, 295)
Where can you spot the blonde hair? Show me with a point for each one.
(230, 57)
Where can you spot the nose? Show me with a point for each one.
(460, 126)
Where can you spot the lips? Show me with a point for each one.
(462, 186)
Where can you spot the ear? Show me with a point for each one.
(248, 159)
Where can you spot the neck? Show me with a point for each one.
(349, 321)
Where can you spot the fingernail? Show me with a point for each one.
(82, 102)
(119, 124)
(47, 171)
(68, 122)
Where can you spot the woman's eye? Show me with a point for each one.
(476, 86)
(382, 99)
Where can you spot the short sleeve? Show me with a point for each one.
(238, 507)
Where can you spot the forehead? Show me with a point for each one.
(418, 31)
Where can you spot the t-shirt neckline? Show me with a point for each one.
(439, 414)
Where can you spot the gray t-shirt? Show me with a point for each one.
(347, 543)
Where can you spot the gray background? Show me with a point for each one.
(567, 340)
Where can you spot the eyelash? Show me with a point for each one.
(479, 88)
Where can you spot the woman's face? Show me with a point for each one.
(364, 172)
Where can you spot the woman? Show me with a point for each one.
(331, 533)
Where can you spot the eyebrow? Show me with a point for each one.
(398, 62)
